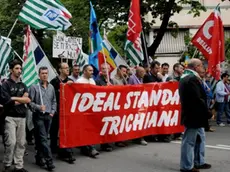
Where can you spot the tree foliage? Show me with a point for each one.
(117, 11)
(117, 38)
(162, 9)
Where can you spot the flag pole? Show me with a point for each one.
(106, 67)
(105, 37)
(15, 22)
(194, 54)
(18, 55)
(145, 48)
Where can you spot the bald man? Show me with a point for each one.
(138, 77)
(63, 154)
(134, 80)
(194, 116)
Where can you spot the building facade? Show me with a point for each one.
(171, 48)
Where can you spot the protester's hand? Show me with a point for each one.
(213, 117)
(14, 99)
(51, 115)
(43, 108)
(213, 101)
(109, 84)
(69, 82)
(17, 103)
(159, 75)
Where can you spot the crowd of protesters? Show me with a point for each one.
(42, 100)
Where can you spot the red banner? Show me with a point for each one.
(93, 115)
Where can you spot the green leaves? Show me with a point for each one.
(110, 13)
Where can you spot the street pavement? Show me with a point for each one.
(155, 157)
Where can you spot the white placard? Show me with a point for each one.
(66, 46)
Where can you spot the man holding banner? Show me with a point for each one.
(151, 77)
(87, 78)
(67, 153)
(104, 80)
(120, 79)
(136, 79)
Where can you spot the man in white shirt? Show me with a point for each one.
(75, 73)
(87, 78)
(164, 71)
(222, 100)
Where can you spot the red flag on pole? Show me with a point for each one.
(133, 46)
(210, 41)
(134, 23)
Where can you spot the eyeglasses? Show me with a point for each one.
(65, 68)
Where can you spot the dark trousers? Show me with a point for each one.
(29, 134)
(2, 125)
(63, 152)
(42, 123)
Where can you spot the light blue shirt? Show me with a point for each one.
(221, 92)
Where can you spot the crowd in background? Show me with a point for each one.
(41, 101)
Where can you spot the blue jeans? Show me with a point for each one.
(221, 108)
(192, 148)
(42, 123)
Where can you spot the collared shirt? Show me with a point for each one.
(102, 81)
(118, 81)
(173, 77)
(48, 98)
(165, 77)
(83, 80)
(134, 80)
(221, 92)
(73, 78)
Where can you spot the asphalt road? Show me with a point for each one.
(155, 157)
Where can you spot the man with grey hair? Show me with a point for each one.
(194, 116)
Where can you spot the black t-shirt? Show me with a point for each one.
(56, 84)
(12, 89)
(148, 78)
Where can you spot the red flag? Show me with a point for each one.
(134, 24)
(210, 41)
(26, 43)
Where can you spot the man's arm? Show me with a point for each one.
(5, 95)
(22, 100)
(194, 90)
(54, 104)
(220, 91)
(25, 97)
(131, 81)
(33, 104)
(146, 79)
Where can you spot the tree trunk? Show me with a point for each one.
(163, 28)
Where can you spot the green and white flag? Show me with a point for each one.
(133, 47)
(45, 14)
(6, 55)
(6, 72)
(30, 75)
(82, 60)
